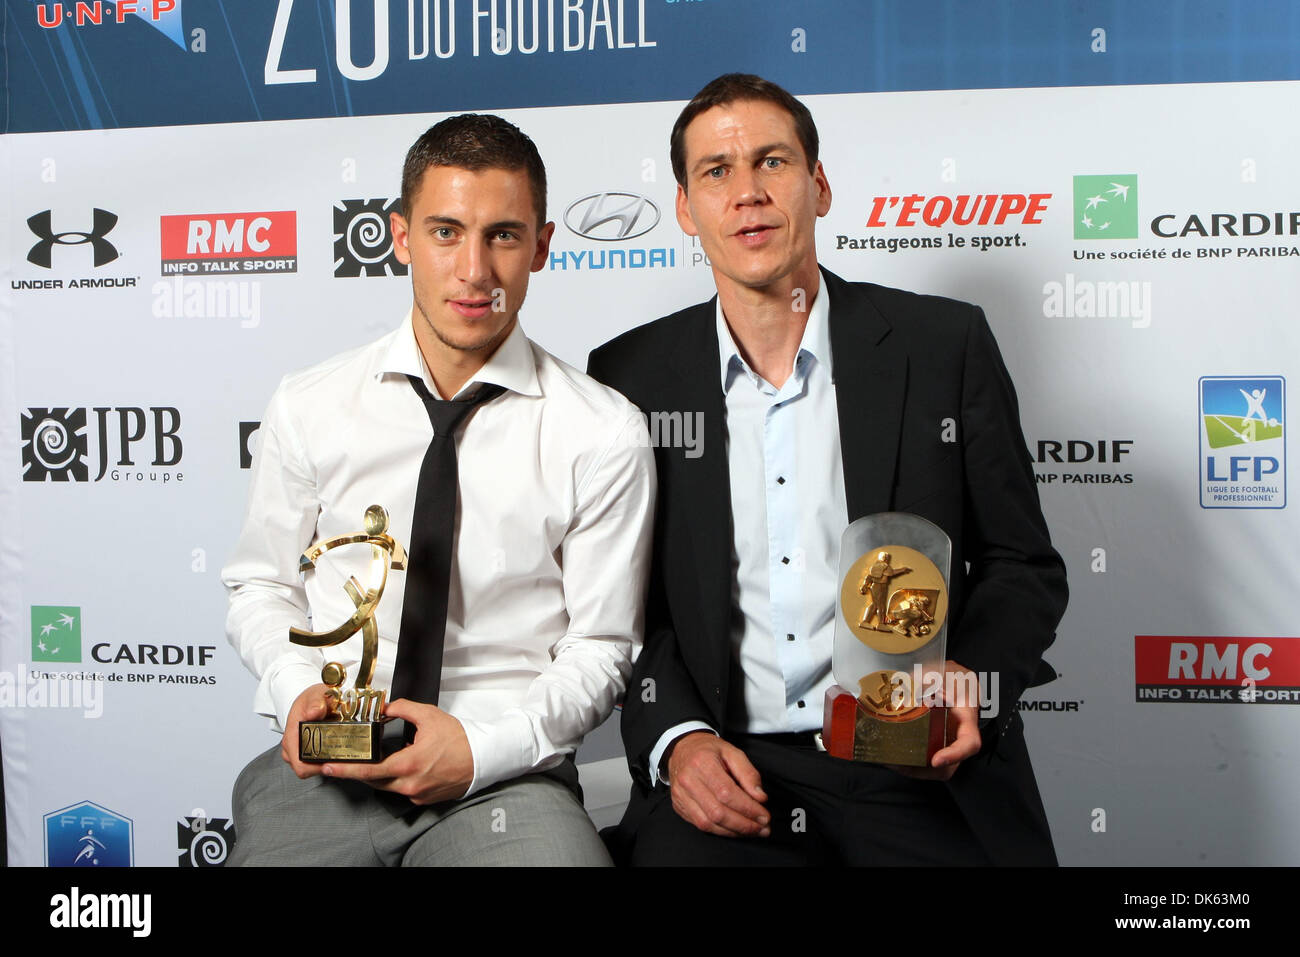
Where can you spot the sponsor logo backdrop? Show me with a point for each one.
(1122, 204)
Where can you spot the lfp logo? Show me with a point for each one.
(1243, 442)
(1106, 207)
(87, 835)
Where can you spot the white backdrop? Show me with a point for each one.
(134, 557)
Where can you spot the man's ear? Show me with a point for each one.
(684, 219)
(544, 236)
(823, 190)
(401, 236)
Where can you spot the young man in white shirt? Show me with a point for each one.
(547, 567)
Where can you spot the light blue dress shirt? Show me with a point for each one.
(788, 512)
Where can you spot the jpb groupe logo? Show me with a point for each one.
(54, 445)
(363, 239)
(204, 841)
(1106, 207)
(1243, 442)
(56, 633)
(87, 835)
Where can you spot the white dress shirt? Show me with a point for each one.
(551, 556)
(788, 511)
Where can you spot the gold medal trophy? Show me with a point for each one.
(890, 631)
(354, 727)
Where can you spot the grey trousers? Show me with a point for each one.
(534, 820)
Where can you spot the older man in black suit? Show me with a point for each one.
(822, 401)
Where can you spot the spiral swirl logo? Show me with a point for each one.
(204, 841)
(363, 241)
(54, 445)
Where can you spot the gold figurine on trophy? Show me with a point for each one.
(354, 725)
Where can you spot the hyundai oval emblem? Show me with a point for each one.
(609, 217)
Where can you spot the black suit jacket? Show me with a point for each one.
(929, 424)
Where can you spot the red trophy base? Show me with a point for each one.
(855, 733)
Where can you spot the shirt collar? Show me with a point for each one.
(816, 338)
(512, 365)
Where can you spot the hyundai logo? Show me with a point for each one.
(609, 217)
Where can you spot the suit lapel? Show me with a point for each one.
(870, 383)
(708, 502)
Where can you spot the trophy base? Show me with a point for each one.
(852, 732)
(356, 742)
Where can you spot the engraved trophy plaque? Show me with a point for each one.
(354, 725)
(890, 638)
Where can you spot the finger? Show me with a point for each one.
(726, 790)
(966, 738)
(408, 710)
(379, 775)
(713, 819)
(745, 774)
(723, 800)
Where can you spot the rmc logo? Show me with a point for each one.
(102, 224)
(611, 216)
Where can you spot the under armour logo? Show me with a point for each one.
(102, 225)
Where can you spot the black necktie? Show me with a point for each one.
(418, 670)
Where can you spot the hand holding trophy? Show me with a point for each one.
(354, 726)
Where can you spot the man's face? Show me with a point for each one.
(749, 195)
(471, 241)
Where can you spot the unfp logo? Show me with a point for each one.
(87, 835)
(1106, 207)
(92, 12)
(55, 443)
(41, 225)
(363, 239)
(56, 633)
(1243, 442)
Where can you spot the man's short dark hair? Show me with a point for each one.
(474, 141)
(735, 87)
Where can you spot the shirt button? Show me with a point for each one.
(785, 559)
(789, 637)
(801, 704)
(780, 480)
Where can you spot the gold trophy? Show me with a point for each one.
(890, 637)
(354, 726)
